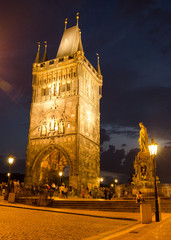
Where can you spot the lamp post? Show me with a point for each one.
(115, 185)
(60, 174)
(116, 181)
(10, 161)
(153, 152)
(101, 180)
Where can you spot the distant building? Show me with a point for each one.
(65, 116)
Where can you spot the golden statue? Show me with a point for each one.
(143, 139)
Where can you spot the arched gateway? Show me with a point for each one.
(49, 162)
(65, 116)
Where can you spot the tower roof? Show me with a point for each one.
(71, 42)
(45, 53)
(37, 60)
(98, 64)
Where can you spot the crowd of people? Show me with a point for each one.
(21, 189)
(60, 191)
(11, 186)
(102, 192)
(53, 190)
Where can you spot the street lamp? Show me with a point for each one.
(116, 181)
(10, 161)
(101, 179)
(60, 174)
(153, 152)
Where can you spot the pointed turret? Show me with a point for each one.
(80, 45)
(77, 17)
(66, 20)
(37, 60)
(98, 65)
(45, 53)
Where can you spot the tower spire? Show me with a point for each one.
(98, 65)
(77, 17)
(66, 21)
(45, 53)
(37, 60)
(80, 46)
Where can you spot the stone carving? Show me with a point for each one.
(143, 139)
(143, 165)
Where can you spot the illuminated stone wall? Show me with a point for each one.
(65, 122)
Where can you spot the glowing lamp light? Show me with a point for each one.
(60, 174)
(111, 185)
(153, 147)
(10, 160)
(101, 179)
(8, 174)
(116, 180)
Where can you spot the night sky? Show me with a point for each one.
(133, 39)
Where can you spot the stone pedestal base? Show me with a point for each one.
(146, 192)
(11, 198)
(146, 213)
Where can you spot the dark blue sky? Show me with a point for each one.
(134, 42)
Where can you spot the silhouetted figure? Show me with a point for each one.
(139, 197)
(12, 187)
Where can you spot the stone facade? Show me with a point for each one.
(65, 117)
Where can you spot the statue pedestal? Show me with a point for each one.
(146, 213)
(143, 179)
(145, 191)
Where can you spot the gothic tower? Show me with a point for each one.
(65, 116)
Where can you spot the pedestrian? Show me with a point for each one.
(61, 189)
(3, 188)
(65, 192)
(139, 197)
(105, 193)
(87, 193)
(110, 194)
(53, 186)
(51, 191)
(12, 187)
(83, 192)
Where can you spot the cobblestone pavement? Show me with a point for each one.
(160, 231)
(24, 224)
(153, 231)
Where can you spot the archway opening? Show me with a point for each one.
(66, 175)
(52, 163)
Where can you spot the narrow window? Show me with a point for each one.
(68, 87)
